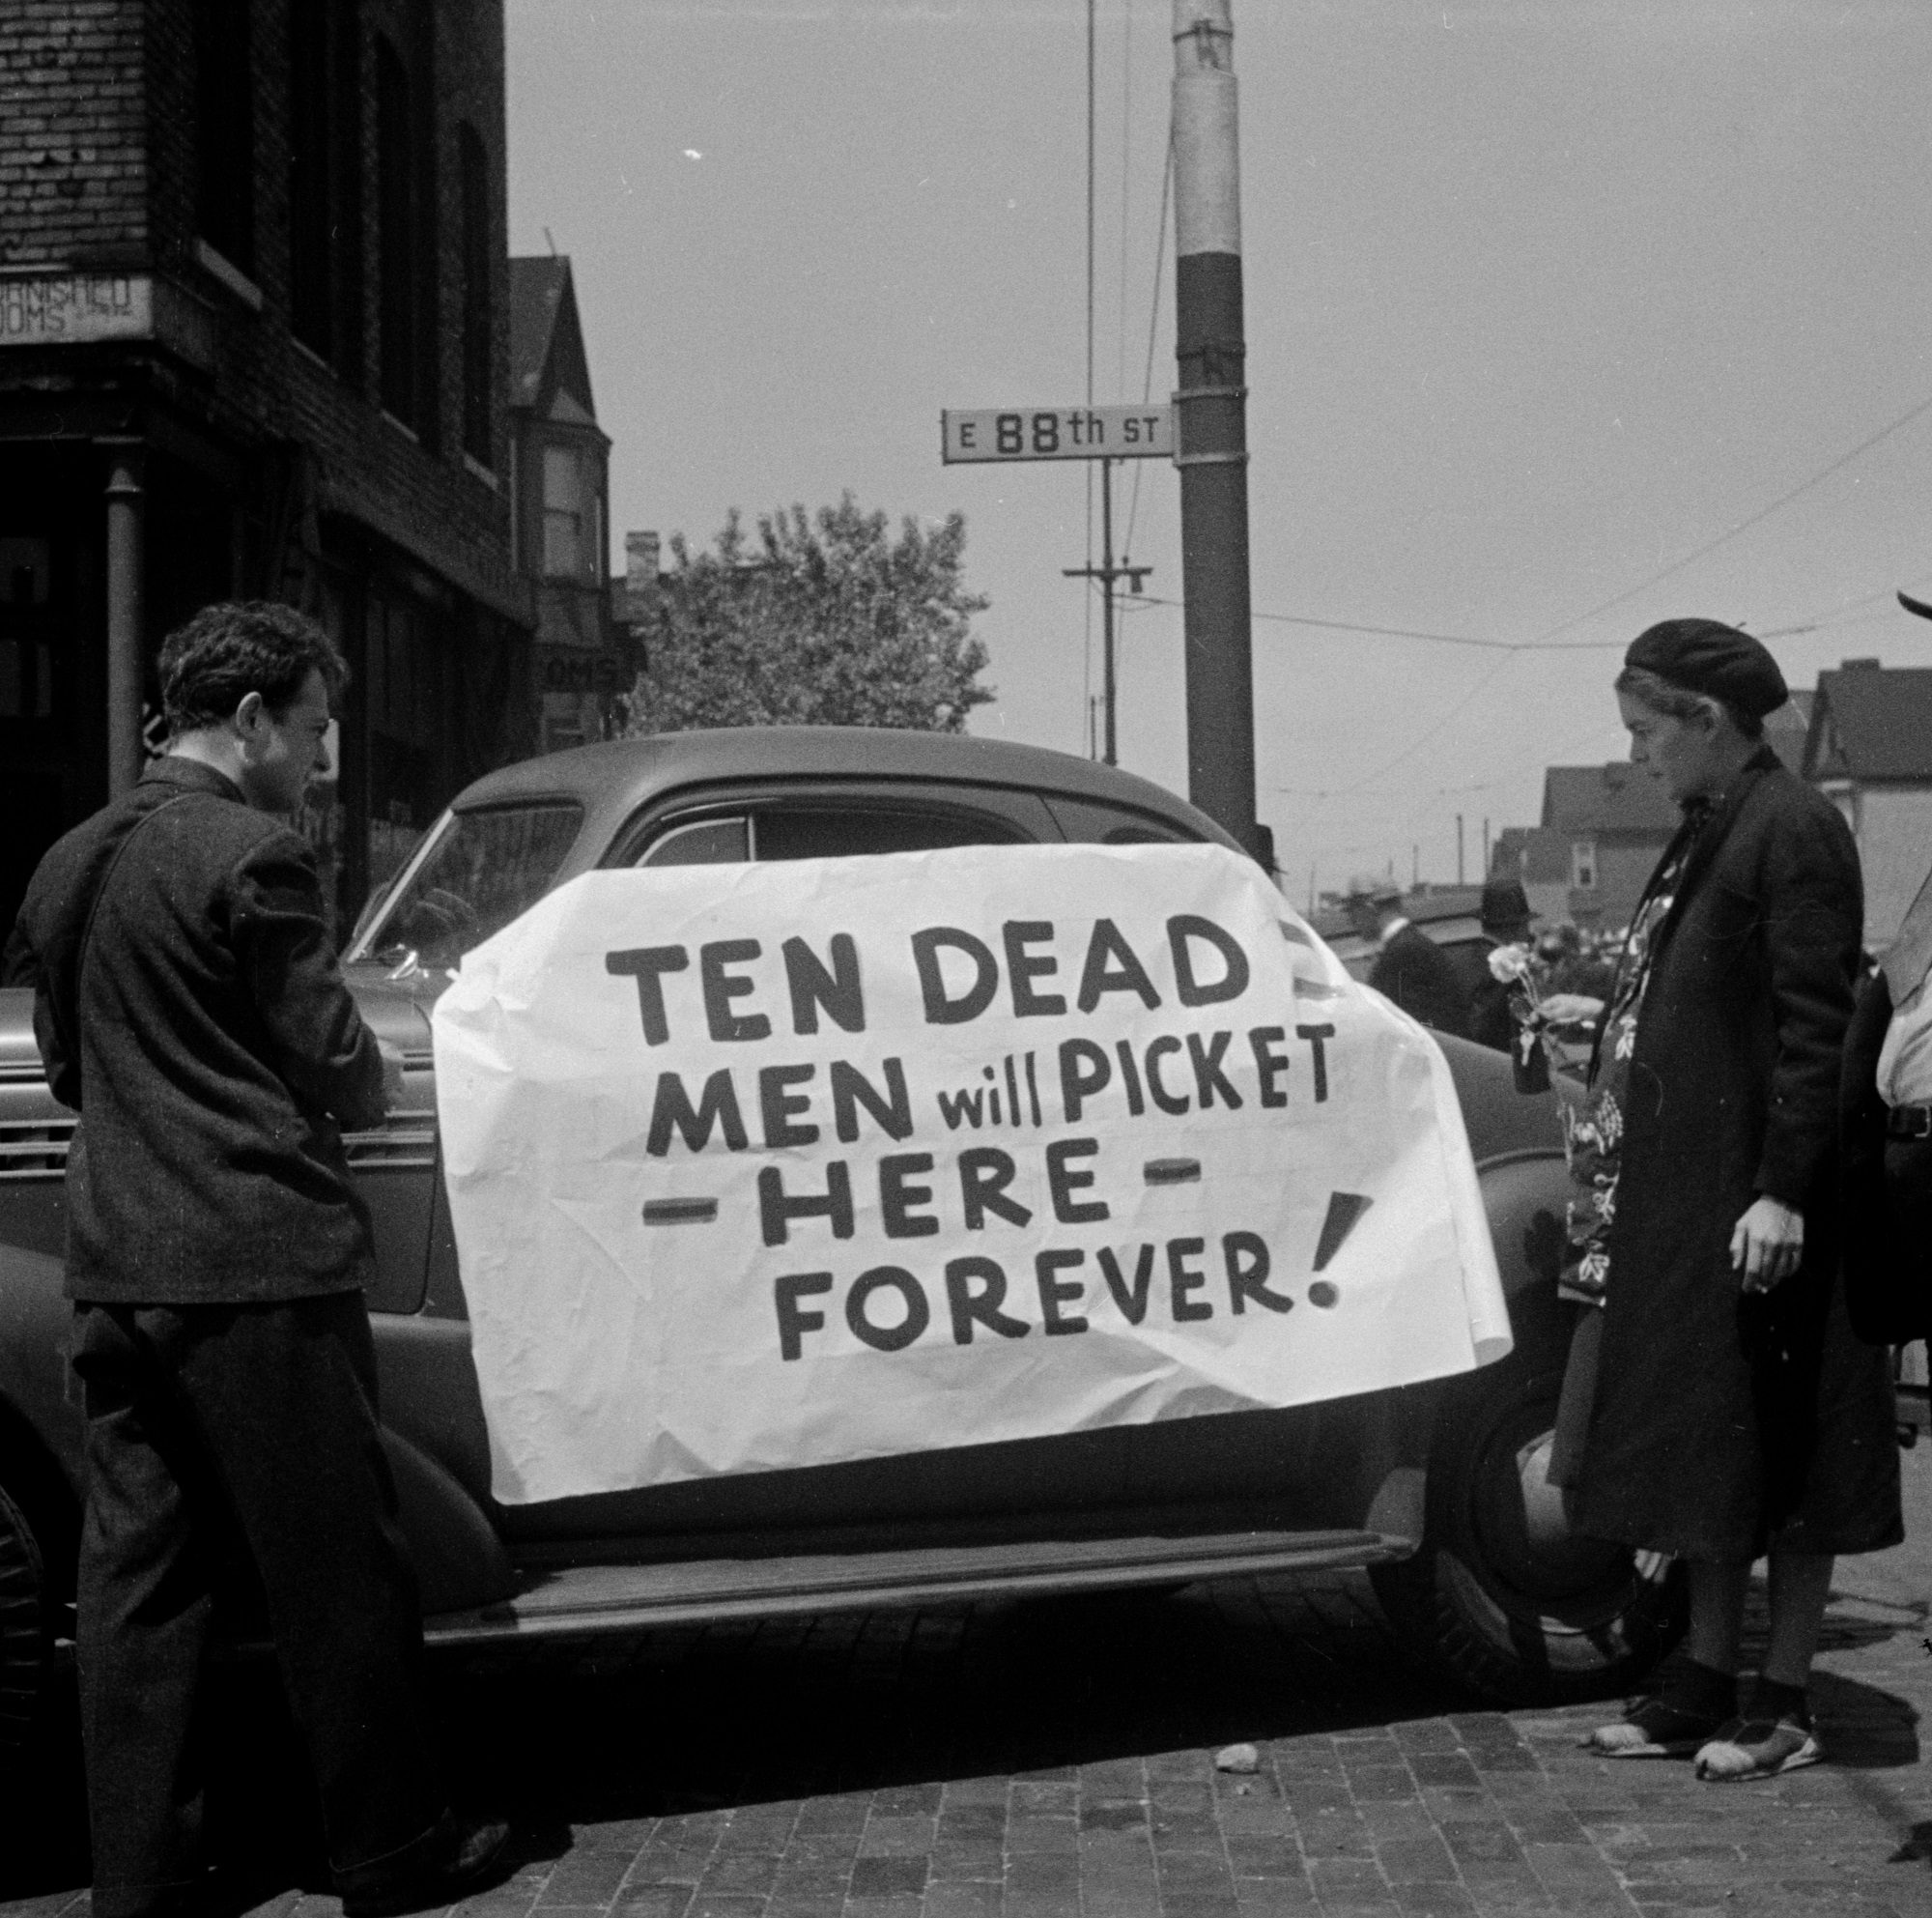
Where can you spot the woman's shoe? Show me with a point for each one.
(1656, 1727)
(1750, 1748)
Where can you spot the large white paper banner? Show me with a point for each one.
(760, 1167)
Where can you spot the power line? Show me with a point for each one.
(1087, 608)
(1153, 321)
(1743, 526)
(1412, 633)
(1126, 155)
(1413, 747)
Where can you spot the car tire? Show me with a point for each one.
(26, 1631)
(1500, 1595)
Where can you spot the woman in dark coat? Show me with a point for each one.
(1719, 1405)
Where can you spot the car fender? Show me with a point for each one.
(459, 1561)
(1525, 1193)
(36, 1318)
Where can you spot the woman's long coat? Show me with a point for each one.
(1720, 1417)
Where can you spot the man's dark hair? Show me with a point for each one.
(236, 647)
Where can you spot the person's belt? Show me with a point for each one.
(1909, 1121)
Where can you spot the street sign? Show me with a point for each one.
(1056, 433)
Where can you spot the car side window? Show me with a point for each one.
(1091, 822)
(720, 841)
(840, 831)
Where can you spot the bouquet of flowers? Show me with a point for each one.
(1529, 978)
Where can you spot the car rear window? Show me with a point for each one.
(475, 873)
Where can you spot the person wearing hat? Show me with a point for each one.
(1505, 922)
(1716, 1405)
(1410, 968)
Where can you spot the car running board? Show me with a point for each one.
(591, 1600)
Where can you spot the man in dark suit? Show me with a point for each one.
(189, 1006)
(1410, 968)
(1505, 922)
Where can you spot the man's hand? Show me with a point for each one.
(393, 1071)
(1768, 1243)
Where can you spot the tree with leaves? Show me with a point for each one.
(826, 621)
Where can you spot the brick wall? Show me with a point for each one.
(98, 167)
(73, 170)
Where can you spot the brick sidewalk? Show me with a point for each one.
(1463, 1812)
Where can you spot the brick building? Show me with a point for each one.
(254, 339)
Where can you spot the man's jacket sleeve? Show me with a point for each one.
(281, 944)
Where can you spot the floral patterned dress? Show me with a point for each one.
(1594, 1130)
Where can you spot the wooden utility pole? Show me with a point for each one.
(1106, 572)
(1210, 407)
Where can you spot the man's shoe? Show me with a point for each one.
(453, 1858)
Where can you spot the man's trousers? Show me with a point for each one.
(205, 1422)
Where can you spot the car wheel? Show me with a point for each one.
(26, 1629)
(1500, 1594)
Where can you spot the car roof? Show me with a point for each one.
(627, 773)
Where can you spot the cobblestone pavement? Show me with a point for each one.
(1049, 1759)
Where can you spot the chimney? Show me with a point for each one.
(641, 572)
(1858, 666)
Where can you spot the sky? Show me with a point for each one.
(1561, 319)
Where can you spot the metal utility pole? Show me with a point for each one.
(1210, 407)
(1106, 572)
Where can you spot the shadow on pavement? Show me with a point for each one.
(691, 1719)
(1863, 1727)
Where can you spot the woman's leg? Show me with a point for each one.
(1775, 1733)
(1800, 1585)
(1718, 1589)
(1697, 1694)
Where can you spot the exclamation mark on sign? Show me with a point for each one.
(1344, 1209)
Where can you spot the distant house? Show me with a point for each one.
(1869, 751)
(1787, 730)
(1601, 830)
(558, 504)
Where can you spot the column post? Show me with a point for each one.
(126, 623)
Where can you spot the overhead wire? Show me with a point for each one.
(1405, 631)
(1154, 320)
(1745, 525)
(1126, 175)
(1543, 642)
(1086, 466)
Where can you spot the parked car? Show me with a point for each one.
(1437, 1489)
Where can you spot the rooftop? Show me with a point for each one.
(1872, 722)
(1613, 798)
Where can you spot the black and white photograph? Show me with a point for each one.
(965, 958)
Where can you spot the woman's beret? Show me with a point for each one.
(1705, 656)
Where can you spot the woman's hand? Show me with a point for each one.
(1566, 1009)
(1768, 1243)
